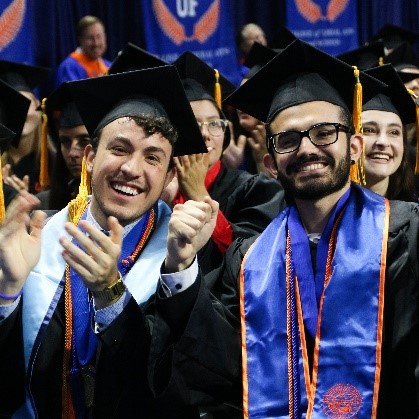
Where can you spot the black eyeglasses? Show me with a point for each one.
(215, 127)
(320, 135)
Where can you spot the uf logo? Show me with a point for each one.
(203, 28)
(186, 8)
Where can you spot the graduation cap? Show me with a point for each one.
(133, 57)
(282, 38)
(393, 35)
(201, 81)
(61, 111)
(367, 56)
(405, 61)
(13, 110)
(257, 57)
(58, 110)
(300, 73)
(403, 54)
(394, 98)
(157, 91)
(406, 72)
(22, 77)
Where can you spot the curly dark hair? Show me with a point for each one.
(150, 125)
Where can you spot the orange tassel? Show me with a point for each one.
(2, 204)
(357, 171)
(217, 89)
(77, 205)
(43, 172)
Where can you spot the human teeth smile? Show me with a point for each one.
(379, 156)
(127, 190)
(309, 167)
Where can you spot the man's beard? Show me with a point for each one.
(313, 190)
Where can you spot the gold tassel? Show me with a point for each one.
(415, 99)
(381, 61)
(77, 205)
(43, 172)
(357, 171)
(217, 89)
(2, 204)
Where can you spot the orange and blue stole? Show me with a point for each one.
(340, 306)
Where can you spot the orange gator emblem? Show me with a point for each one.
(174, 30)
(341, 401)
(312, 12)
(11, 21)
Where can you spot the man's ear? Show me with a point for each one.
(169, 176)
(89, 155)
(270, 165)
(356, 144)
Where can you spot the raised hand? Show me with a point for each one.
(20, 242)
(257, 143)
(191, 171)
(233, 155)
(16, 183)
(190, 227)
(96, 261)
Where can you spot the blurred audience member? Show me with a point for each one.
(87, 60)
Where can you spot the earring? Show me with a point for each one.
(352, 162)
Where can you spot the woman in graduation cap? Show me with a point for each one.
(247, 202)
(26, 159)
(387, 168)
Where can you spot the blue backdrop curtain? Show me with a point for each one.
(54, 22)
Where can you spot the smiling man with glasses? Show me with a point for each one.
(324, 303)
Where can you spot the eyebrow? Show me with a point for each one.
(394, 124)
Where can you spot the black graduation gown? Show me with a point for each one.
(249, 203)
(198, 334)
(121, 389)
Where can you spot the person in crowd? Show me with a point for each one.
(69, 133)
(87, 60)
(245, 37)
(30, 159)
(74, 336)
(323, 306)
(13, 110)
(247, 202)
(393, 36)
(384, 117)
(247, 151)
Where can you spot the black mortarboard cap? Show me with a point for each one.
(257, 57)
(133, 57)
(61, 110)
(22, 77)
(403, 54)
(367, 56)
(157, 91)
(282, 38)
(13, 110)
(300, 73)
(394, 98)
(393, 35)
(199, 78)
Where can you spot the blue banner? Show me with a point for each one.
(16, 31)
(203, 27)
(330, 25)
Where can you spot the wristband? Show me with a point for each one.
(11, 297)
